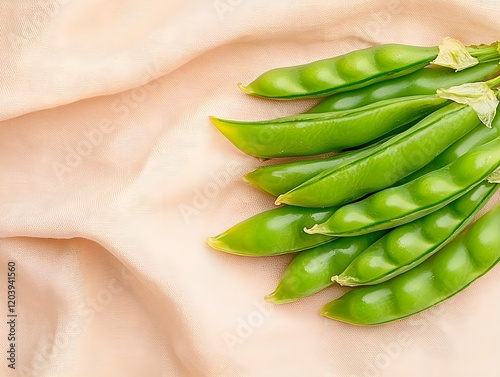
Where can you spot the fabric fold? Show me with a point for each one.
(112, 178)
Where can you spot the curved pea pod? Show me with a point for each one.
(311, 270)
(313, 134)
(388, 163)
(280, 178)
(360, 68)
(421, 82)
(399, 205)
(479, 135)
(346, 72)
(274, 232)
(446, 273)
(409, 245)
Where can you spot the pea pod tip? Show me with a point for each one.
(223, 127)
(330, 311)
(279, 200)
(271, 298)
(246, 179)
(218, 244)
(220, 123)
(315, 229)
(331, 314)
(277, 297)
(344, 281)
(214, 243)
(325, 312)
(245, 89)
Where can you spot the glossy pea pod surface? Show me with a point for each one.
(277, 179)
(446, 273)
(409, 245)
(421, 82)
(388, 163)
(273, 232)
(350, 71)
(312, 134)
(402, 204)
(280, 178)
(311, 270)
(479, 135)
(346, 72)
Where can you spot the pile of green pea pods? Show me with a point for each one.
(417, 156)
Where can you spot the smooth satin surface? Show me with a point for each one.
(112, 178)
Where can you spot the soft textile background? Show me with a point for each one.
(112, 178)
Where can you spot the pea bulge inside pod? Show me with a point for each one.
(346, 72)
(443, 275)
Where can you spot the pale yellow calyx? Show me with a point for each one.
(453, 54)
(317, 229)
(477, 95)
(494, 177)
(345, 281)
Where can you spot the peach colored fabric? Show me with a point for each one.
(112, 178)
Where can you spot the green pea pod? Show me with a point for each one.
(312, 269)
(446, 273)
(353, 70)
(273, 232)
(388, 163)
(409, 245)
(280, 178)
(421, 82)
(313, 134)
(479, 135)
(399, 205)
